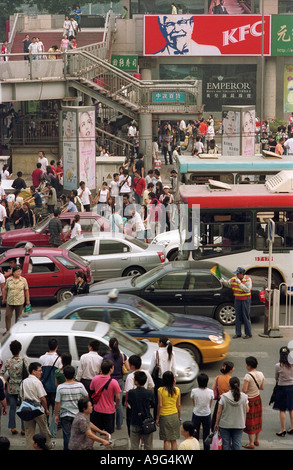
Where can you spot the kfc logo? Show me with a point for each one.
(229, 36)
(206, 35)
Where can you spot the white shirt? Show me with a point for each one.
(49, 358)
(2, 192)
(4, 175)
(89, 365)
(75, 230)
(32, 389)
(126, 187)
(137, 222)
(2, 213)
(129, 382)
(114, 187)
(289, 145)
(164, 362)
(202, 399)
(44, 162)
(85, 198)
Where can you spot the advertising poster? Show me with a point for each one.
(288, 88)
(87, 147)
(282, 35)
(188, 35)
(248, 133)
(231, 132)
(70, 170)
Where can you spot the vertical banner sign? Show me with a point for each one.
(288, 88)
(79, 146)
(248, 132)
(230, 132)
(282, 35)
(87, 147)
(70, 172)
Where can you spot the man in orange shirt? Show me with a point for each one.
(203, 130)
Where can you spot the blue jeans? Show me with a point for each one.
(66, 423)
(242, 311)
(119, 411)
(231, 438)
(12, 400)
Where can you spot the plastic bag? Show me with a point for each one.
(28, 308)
(216, 442)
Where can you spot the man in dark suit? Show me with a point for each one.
(220, 9)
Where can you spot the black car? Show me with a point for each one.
(187, 287)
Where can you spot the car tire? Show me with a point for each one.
(131, 271)
(174, 256)
(63, 294)
(226, 315)
(193, 351)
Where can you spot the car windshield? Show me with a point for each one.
(143, 279)
(53, 311)
(78, 259)
(41, 225)
(128, 344)
(158, 317)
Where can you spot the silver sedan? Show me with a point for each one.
(114, 255)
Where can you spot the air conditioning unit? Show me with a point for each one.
(282, 182)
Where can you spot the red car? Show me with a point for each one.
(39, 235)
(49, 271)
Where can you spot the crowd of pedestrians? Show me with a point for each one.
(86, 402)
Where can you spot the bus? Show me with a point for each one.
(233, 224)
(232, 170)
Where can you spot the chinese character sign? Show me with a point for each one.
(206, 35)
(125, 62)
(288, 88)
(282, 35)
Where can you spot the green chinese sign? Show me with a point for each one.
(282, 35)
(125, 62)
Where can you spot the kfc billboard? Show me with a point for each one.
(206, 35)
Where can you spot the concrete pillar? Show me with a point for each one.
(146, 74)
(270, 88)
(145, 138)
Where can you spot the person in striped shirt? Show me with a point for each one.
(66, 402)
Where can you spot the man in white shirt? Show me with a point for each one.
(34, 48)
(137, 225)
(89, 366)
(3, 216)
(114, 185)
(85, 196)
(289, 145)
(33, 389)
(43, 161)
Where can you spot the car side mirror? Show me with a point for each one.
(145, 328)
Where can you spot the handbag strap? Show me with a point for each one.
(254, 379)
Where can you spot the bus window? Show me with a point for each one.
(225, 232)
(281, 230)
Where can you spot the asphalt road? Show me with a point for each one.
(265, 349)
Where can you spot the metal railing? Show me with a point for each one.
(29, 131)
(117, 145)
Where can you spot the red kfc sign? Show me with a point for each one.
(206, 35)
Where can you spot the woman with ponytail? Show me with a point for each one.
(169, 411)
(231, 416)
(163, 360)
(75, 226)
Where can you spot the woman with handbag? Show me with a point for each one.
(16, 368)
(253, 383)
(221, 385)
(121, 368)
(284, 392)
(169, 412)
(163, 360)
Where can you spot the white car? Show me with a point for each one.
(171, 243)
(115, 254)
(74, 337)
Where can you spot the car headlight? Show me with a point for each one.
(216, 339)
(188, 372)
